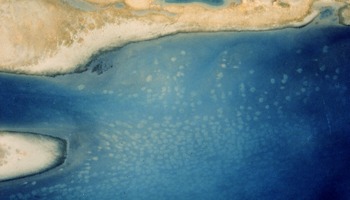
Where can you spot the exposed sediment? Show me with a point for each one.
(24, 154)
(52, 37)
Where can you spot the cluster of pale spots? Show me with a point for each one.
(55, 37)
(23, 154)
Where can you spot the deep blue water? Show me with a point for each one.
(249, 115)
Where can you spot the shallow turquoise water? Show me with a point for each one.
(250, 115)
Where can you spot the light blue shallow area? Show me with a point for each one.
(250, 115)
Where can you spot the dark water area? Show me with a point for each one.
(248, 115)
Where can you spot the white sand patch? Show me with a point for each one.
(23, 154)
(81, 87)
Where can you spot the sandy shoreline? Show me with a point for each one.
(47, 37)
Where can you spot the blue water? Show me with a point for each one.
(250, 115)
